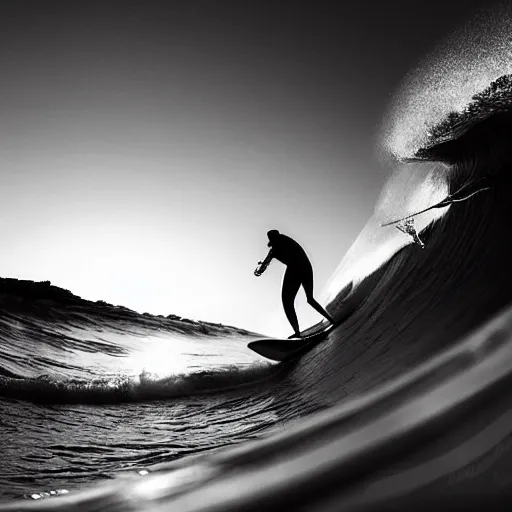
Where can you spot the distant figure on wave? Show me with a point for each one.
(298, 272)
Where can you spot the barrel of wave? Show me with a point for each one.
(412, 187)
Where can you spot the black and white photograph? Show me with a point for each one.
(255, 255)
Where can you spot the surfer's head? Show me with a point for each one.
(272, 235)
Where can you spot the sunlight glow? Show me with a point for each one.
(160, 358)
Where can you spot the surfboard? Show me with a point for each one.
(278, 349)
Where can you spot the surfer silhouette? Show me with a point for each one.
(299, 271)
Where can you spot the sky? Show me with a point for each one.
(147, 147)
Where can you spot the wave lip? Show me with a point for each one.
(448, 79)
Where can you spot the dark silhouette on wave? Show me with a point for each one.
(299, 272)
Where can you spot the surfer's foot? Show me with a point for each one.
(295, 335)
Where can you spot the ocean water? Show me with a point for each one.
(85, 399)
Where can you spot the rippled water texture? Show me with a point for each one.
(84, 401)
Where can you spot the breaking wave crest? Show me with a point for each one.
(146, 386)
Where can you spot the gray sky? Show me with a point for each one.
(146, 147)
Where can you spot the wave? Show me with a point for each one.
(120, 389)
(469, 64)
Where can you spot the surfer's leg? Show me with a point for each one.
(307, 283)
(291, 285)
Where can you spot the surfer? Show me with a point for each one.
(299, 271)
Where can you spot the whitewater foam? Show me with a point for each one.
(146, 386)
(461, 66)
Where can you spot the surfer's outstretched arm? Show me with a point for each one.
(269, 257)
(262, 265)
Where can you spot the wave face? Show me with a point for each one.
(78, 357)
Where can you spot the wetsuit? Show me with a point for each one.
(299, 271)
